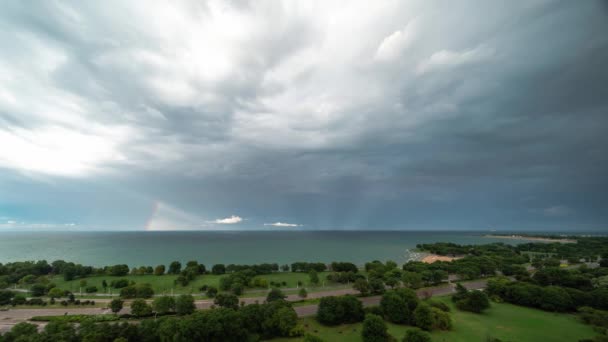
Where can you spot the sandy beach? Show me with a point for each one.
(429, 259)
(530, 238)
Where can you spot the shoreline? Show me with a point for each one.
(530, 238)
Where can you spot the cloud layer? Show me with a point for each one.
(389, 115)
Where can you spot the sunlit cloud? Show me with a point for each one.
(282, 224)
(229, 220)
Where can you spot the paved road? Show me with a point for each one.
(310, 310)
(14, 316)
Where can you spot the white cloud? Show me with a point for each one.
(282, 224)
(11, 224)
(59, 151)
(394, 45)
(229, 220)
(448, 58)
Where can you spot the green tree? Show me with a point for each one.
(302, 293)
(237, 288)
(314, 277)
(175, 267)
(412, 280)
(211, 291)
(218, 269)
(159, 270)
(104, 284)
(416, 335)
(275, 294)
(116, 305)
(56, 293)
(423, 316)
(376, 285)
(374, 329)
(362, 285)
(164, 304)
(38, 290)
(227, 300)
(6, 296)
(554, 298)
(140, 308)
(395, 308)
(184, 305)
(22, 332)
(441, 319)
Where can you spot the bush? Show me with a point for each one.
(184, 305)
(6, 297)
(395, 308)
(416, 335)
(140, 308)
(226, 300)
(275, 294)
(374, 329)
(137, 291)
(56, 293)
(338, 310)
(423, 317)
(115, 305)
(119, 284)
(19, 300)
(439, 305)
(441, 319)
(90, 289)
(164, 304)
(211, 292)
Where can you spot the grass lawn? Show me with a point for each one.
(504, 321)
(164, 284)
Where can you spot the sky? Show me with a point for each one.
(425, 115)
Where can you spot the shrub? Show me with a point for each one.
(416, 335)
(338, 310)
(140, 308)
(90, 289)
(374, 329)
(423, 316)
(164, 304)
(226, 300)
(184, 305)
(275, 294)
(211, 292)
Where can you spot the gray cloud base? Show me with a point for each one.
(415, 115)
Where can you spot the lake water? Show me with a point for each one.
(137, 248)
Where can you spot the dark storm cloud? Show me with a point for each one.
(397, 115)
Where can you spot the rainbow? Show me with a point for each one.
(153, 214)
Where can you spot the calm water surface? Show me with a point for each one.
(151, 248)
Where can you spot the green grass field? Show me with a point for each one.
(165, 283)
(504, 321)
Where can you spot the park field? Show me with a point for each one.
(504, 321)
(165, 284)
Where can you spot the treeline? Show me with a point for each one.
(253, 322)
(587, 249)
(399, 306)
(549, 298)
